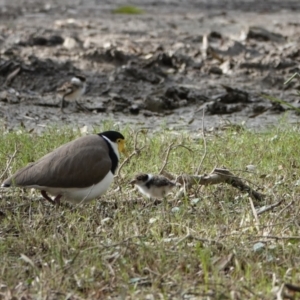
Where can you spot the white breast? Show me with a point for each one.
(155, 192)
(76, 94)
(80, 195)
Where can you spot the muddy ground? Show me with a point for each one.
(158, 67)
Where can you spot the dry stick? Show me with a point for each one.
(238, 183)
(204, 141)
(254, 214)
(268, 207)
(279, 293)
(9, 162)
(275, 237)
(12, 75)
(217, 176)
(280, 212)
(293, 288)
(136, 151)
(171, 147)
(166, 158)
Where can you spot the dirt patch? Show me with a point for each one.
(159, 67)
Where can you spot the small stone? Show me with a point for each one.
(258, 247)
(152, 220)
(251, 168)
(215, 70)
(70, 43)
(175, 209)
(105, 221)
(195, 201)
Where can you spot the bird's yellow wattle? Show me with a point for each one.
(121, 146)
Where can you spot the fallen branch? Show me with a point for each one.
(13, 75)
(217, 176)
(266, 208)
(293, 288)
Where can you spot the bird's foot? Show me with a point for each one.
(63, 105)
(56, 200)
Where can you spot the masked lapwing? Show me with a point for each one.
(78, 171)
(153, 186)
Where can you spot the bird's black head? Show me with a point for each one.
(115, 137)
(142, 177)
(81, 78)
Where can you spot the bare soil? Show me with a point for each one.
(158, 67)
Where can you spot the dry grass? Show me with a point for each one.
(212, 246)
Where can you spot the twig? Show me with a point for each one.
(166, 158)
(170, 148)
(279, 293)
(204, 142)
(266, 208)
(291, 78)
(293, 288)
(275, 237)
(254, 214)
(9, 162)
(12, 75)
(280, 212)
(136, 151)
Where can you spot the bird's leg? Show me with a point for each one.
(82, 107)
(57, 199)
(44, 194)
(62, 104)
(165, 208)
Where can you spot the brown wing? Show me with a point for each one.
(162, 181)
(66, 89)
(80, 163)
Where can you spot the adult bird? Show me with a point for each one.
(78, 171)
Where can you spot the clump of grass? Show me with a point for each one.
(119, 246)
(128, 10)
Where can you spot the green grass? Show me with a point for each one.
(120, 247)
(128, 10)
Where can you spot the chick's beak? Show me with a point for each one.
(132, 182)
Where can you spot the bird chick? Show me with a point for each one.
(72, 90)
(153, 186)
